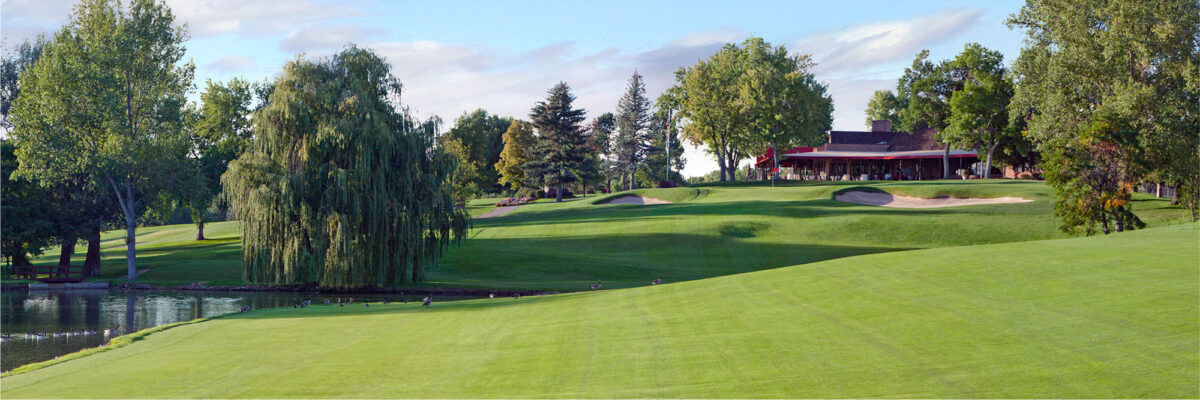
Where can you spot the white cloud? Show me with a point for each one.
(229, 64)
(859, 47)
(23, 19)
(449, 79)
(316, 39)
(255, 17)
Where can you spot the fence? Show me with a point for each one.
(1157, 189)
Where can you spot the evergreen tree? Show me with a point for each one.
(561, 148)
(518, 149)
(633, 119)
(601, 137)
(654, 169)
(339, 187)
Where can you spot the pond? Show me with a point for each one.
(77, 319)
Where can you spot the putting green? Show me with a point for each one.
(1108, 317)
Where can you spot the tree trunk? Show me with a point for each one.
(721, 161)
(18, 256)
(1104, 221)
(987, 171)
(91, 264)
(558, 193)
(127, 207)
(131, 245)
(67, 250)
(732, 166)
(946, 162)
(1175, 194)
(775, 172)
(200, 230)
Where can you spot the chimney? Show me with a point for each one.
(881, 125)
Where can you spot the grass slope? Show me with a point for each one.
(725, 229)
(1108, 317)
(708, 231)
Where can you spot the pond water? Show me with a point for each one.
(75, 320)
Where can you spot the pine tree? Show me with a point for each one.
(633, 118)
(654, 169)
(561, 148)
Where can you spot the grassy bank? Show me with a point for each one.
(1105, 317)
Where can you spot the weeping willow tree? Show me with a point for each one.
(340, 187)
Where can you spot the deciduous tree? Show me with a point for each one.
(1109, 89)
(518, 148)
(481, 136)
(339, 187)
(885, 106)
(104, 100)
(782, 101)
(979, 111)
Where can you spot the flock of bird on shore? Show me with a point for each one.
(43, 335)
(426, 302)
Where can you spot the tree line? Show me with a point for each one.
(334, 181)
(1104, 95)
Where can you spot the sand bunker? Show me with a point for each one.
(891, 200)
(636, 200)
(498, 211)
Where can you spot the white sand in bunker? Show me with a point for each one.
(636, 200)
(891, 200)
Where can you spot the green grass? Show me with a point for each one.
(708, 231)
(726, 229)
(1100, 317)
(169, 254)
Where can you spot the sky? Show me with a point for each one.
(502, 56)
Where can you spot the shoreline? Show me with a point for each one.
(303, 289)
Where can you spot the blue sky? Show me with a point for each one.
(455, 56)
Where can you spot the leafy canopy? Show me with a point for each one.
(339, 187)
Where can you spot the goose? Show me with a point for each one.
(596, 286)
(428, 301)
(657, 280)
(366, 304)
(516, 296)
(491, 295)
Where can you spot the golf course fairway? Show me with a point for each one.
(1114, 316)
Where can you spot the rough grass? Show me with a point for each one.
(1100, 317)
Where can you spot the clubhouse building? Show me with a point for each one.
(879, 154)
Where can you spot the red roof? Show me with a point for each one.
(765, 159)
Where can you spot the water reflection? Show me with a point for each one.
(41, 325)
